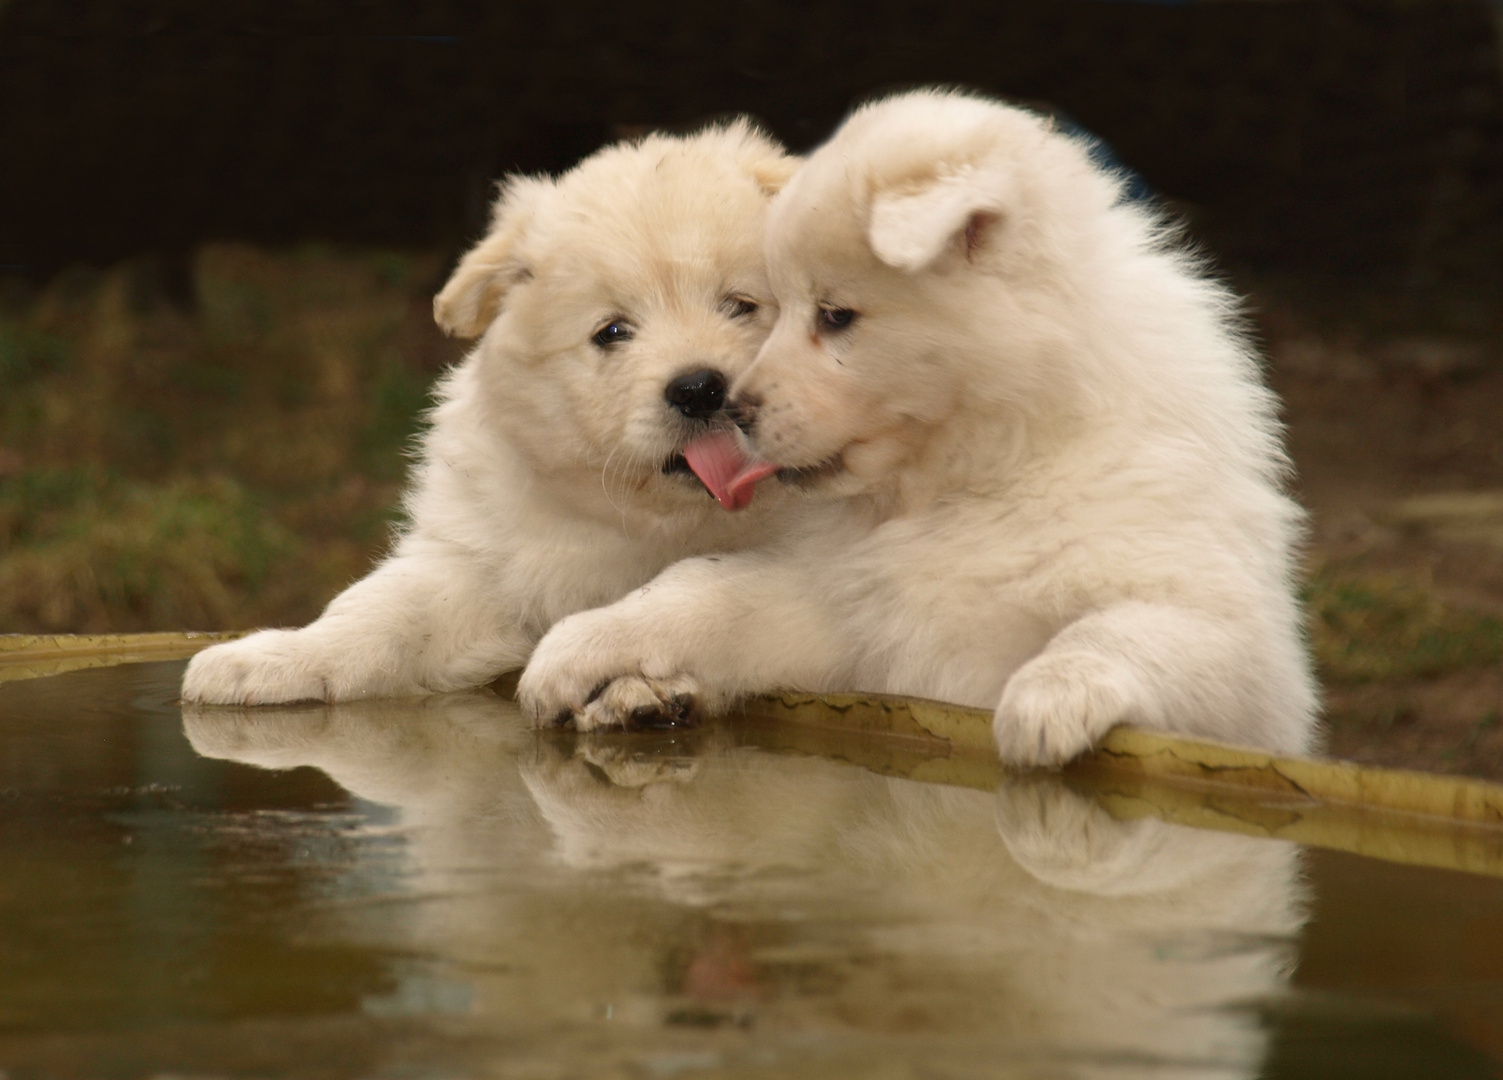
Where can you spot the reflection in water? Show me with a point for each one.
(622, 899)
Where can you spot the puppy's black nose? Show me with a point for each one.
(698, 395)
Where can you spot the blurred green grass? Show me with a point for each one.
(230, 465)
(1375, 627)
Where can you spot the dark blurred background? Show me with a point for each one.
(221, 225)
(1354, 138)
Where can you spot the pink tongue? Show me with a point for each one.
(718, 460)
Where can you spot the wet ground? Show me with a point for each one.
(431, 889)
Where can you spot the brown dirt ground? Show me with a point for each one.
(1373, 422)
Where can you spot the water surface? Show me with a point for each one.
(431, 889)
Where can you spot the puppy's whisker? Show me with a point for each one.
(605, 483)
(617, 472)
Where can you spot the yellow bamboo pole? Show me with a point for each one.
(1420, 818)
(34, 656)
(1423, 819)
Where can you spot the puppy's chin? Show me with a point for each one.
(859, 466)
(817, 478)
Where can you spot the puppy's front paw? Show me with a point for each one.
(1058, 704)
(270, 667)
(635, 701)
(571, 666)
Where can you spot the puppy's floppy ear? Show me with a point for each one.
(762, 157)
(773, 172)
(472, 298)
(914, 223)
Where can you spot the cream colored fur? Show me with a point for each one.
(539, 490)
(1047, 478)
(579, 892)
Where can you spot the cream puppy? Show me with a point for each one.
(1047, 477)
(613, 306)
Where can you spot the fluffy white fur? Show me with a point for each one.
(540, 488)
(1048, 478)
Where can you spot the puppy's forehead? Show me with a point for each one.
(661, 214)
(817, 224)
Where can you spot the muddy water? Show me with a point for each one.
(431, 890)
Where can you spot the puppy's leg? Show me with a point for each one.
(717, 627)
(426, 620)
(1164, 667)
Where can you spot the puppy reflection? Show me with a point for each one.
(694, 880)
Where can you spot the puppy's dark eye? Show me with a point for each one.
(739, 306)
(614, 332)
(839, 318)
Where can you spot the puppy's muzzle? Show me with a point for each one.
(699, 395)
(743, 411)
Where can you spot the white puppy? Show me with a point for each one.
(615, 304)
(1052, 478)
